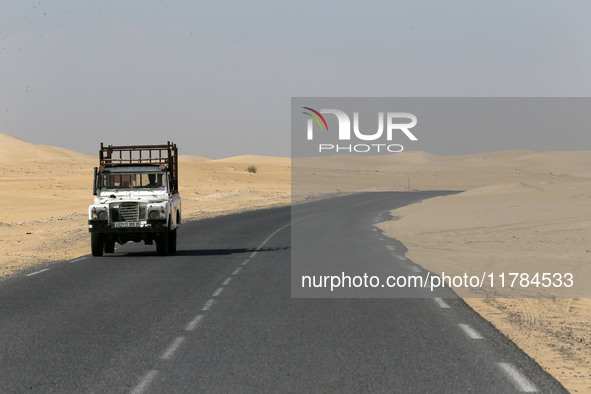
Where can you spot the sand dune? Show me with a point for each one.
(192, 159)
(14, 150)
(254, 160)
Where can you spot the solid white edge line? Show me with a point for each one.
(193, 323)
(276, 231)
(37, 272)
(521, 382)
(218, 292)
(169, 352)
(472, 333)
(441, 303)
(144, 382)
(269, 237)
(227, 281)
(78, 259)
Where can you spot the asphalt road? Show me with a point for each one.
(219, 317)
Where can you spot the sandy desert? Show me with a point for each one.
(530, 207)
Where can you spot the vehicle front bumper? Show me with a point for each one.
(151, 226)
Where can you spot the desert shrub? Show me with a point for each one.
(252, 169)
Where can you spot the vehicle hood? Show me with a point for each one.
(148, 196)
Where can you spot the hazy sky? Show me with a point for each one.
(217, 76)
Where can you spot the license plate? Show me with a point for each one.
(127, 224)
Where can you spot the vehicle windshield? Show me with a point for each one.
(143, 180)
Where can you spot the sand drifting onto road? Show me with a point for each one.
(521, 209)
(517, 205)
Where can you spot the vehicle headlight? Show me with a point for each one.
(154, 215)
(102, 215)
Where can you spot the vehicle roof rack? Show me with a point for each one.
(165, 156)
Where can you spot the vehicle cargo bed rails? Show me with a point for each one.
(162, 155)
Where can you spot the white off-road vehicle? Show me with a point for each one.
(136, 198)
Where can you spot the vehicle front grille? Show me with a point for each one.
(129, 211)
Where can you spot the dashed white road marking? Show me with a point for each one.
(208, 304)
(441, 303)
(37, 272)
(193, 323)
(380, 238)
(390, 247)
(472, 333)
(144, 382)
(78, 259)
(375, 229)
(415, 269)
(521, 382)
(169, 352)
(401, 258)
(237, 270)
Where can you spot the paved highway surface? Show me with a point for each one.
(219, 317)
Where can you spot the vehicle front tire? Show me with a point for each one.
(162, 242)
(172, 241)
(109, 246)
(97, 243)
